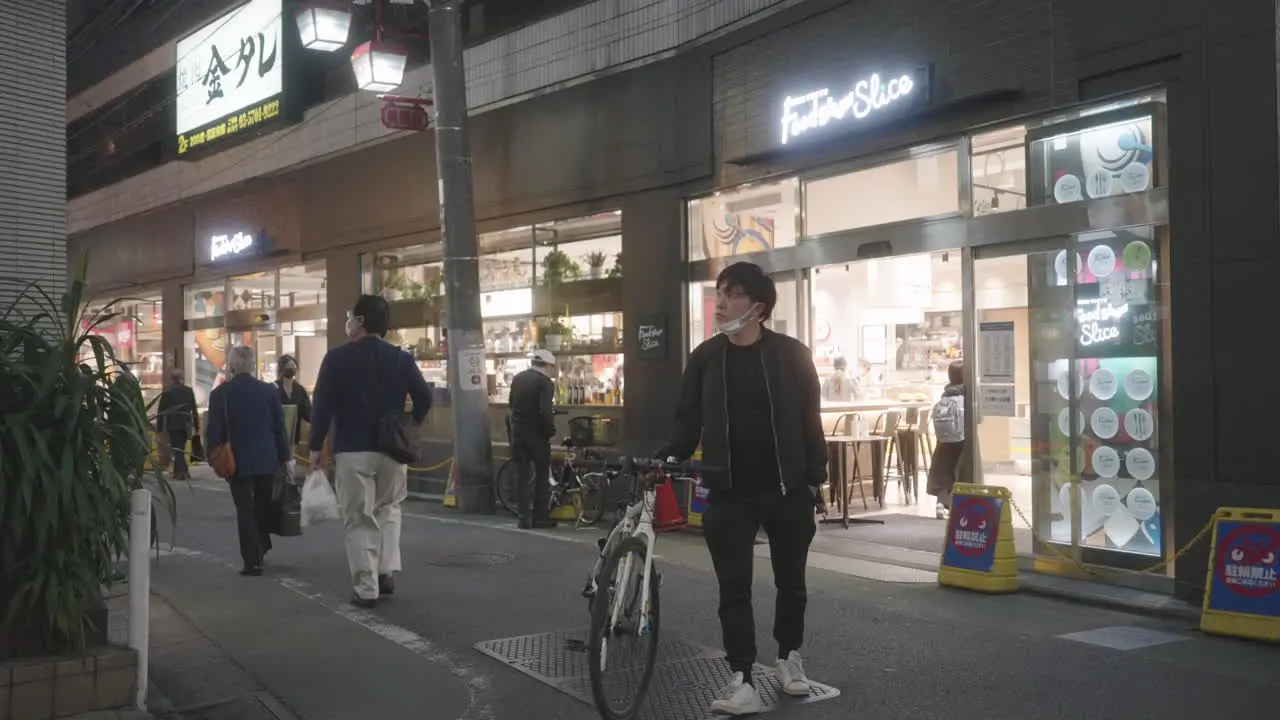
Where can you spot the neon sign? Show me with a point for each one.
(1100, 323)
(803, 113)
(221, 246)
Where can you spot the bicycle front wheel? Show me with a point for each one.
(624, 645)
(506, 487)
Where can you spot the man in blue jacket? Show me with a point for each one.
(359, 384)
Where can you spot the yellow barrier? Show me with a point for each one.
(978, 552)
(1242, 587)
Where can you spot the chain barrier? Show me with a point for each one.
(1098, 572)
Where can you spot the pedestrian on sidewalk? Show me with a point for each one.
(947, 466)
(533, 425)
(177, 421)
(292, 393)
(246, 412)
(361, 386)
(751, 397)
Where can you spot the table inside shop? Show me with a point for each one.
(838, 459)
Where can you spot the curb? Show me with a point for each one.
(1171, 609)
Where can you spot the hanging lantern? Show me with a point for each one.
(379, 66)
(323, 26)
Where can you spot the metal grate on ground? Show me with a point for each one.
(686, 677)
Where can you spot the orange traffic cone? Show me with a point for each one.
(667, 515)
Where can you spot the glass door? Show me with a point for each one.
(1022, 421)
(1070, 337)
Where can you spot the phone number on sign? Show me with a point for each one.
(233, 124)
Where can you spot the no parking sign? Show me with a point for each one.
(1242, 591)
(977, 553)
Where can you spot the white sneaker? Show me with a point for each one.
(738, 698)
(791, 676)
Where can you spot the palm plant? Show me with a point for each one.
(74, 441)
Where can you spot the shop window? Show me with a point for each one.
(998, 161)
(918, 187)
(896, 323)
(506, 270)
(253, 292)
(1103, 154)
(582, 260)
(135, 336)
(750, 219)
(303, 285)
(204, 301)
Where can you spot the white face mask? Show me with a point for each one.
(737, 325)
(353, 324)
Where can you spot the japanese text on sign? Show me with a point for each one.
(230, 126)
(232, 63)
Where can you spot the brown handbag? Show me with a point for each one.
(221, 458)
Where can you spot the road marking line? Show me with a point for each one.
(479, 685)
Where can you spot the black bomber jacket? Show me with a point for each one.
(794, 395)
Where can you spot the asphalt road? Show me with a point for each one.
(894, 650)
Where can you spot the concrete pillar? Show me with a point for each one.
(33, 152)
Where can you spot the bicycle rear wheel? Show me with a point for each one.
(622, 651)
(590, 498)
(506, 487)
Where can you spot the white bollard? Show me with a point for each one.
(140, 587)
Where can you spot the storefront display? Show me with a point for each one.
(135, 337)
(554, 286)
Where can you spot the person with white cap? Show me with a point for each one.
(532, 426)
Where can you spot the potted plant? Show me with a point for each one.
(558, 267)
(616, 270)
(595, 263)
(75, 438)
(557, 334)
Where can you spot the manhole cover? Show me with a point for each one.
(470, 560)
(685, 681)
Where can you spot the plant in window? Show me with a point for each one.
(558, 267)
(75, 442)
(616, 270)
(595, 263)
(557, 334)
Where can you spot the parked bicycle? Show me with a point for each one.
(570, 485)
(628, 610)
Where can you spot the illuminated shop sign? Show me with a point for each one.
(1099, 321)
(230, 74)
(222, 247)
(867, 97)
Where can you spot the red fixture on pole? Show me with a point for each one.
(405, 113)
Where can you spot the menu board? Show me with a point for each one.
(1114, 432)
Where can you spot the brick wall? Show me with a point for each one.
(33, 217)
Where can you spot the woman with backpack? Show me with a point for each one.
(947, 465)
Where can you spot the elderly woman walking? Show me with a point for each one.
(246, 413)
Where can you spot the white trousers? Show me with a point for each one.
(371, 487)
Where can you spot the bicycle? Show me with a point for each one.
(625, 567)
(584, 490)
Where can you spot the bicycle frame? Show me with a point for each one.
(637, 521)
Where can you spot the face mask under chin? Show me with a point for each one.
(733, 327)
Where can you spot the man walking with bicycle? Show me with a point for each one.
(751, 397)
(533, 425)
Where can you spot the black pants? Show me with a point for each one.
(178, 450)
(534, 455)
(254, 508)
(730, 525)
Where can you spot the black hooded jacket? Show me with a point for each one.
(795, 399)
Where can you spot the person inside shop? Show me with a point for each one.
(246, 412)
(533, 425)
(361, 386)
(178, 421)
(840, 388)
(292, 393)
(751, 397)
(947, 466)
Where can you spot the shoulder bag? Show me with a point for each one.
(397, 436)
(221, 458)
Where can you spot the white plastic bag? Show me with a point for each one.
(319, 503)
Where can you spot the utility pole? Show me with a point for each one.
(472, 449)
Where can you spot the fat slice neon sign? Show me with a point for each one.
(1098, 321)
(221, 246)
(820, 108)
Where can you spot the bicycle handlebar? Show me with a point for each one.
(635, 465)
